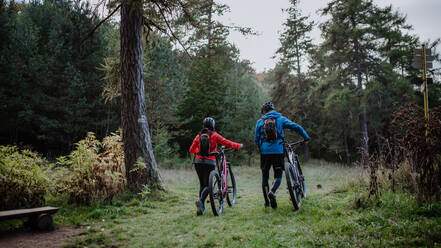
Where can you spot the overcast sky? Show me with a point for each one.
(266, 17)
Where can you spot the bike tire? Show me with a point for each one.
(302, 180)
(298, 189)
(215, 191)
(231, 185)
(290, 182)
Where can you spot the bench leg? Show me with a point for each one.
(43, 222)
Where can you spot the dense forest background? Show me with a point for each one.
(59, 81)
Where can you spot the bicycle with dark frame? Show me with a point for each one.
(294, 176)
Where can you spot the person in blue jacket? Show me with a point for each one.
(272, 150)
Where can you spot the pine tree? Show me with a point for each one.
(135, 15)
(51, 88)
(295, 40)
(209, 72)
(365, 48)
(289, 90)
(347, 38)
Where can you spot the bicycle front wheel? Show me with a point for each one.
(231, 187)
(293, 185)
(215, 191)
(301, 180)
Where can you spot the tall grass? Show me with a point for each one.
(329, 216)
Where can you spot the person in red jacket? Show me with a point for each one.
(205, 164)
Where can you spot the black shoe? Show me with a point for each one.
(272, 199)
(267, 204)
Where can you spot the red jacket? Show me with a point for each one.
(214, 140)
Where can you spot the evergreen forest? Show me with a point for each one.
(99, 103)
(60, 82)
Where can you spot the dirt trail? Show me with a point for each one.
(24, 239)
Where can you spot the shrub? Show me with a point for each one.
(166, 155)
(421, 153)
(23, 182)
(402, 177)
(90, 175)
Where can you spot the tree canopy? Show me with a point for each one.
(59, 81)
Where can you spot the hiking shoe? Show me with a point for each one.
(200, 207)
(272, 199)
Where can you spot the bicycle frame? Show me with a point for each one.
(292, 156)
(289, 151)
(221, 166)
(219, 184)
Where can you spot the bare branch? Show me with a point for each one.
(149, 22)
(190, 18)
(171, 31)
(99, 24)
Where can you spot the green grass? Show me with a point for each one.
(328, 218)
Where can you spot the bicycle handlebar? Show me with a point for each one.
(224, 149)
(293, 144)
(297, 143)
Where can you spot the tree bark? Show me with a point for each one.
(345, 141)
(136, 135)
(297, 48)
(210, 30)
(306, 153)
(362, 115)
(379, 143)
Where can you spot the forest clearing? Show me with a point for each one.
(329, 217)
(118, 119)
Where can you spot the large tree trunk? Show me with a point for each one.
(306, 153)
(136, 136)
(362, 115)
(297, 49)
(345, 141)
(379, 143)
(210, 30)
(364, 135)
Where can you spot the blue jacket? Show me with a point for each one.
(281, 122)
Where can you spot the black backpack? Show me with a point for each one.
(270, 130)
(204, 142)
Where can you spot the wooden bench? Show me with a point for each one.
(40, 218)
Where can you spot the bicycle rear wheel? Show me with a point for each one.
(231, 187)
(215, 191)
(293, 185)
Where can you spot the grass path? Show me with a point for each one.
(328, 217)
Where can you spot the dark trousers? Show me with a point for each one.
(203, 171)
(277, 162)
